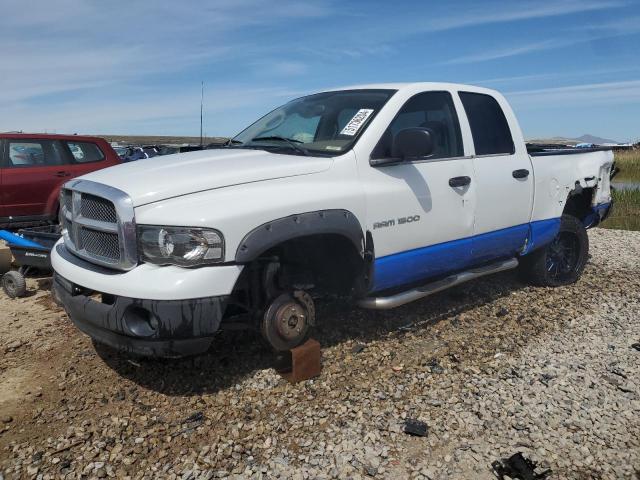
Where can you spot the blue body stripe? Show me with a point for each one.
(413, 265)
(541, 233)
(435, 260)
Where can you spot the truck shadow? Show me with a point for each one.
(234, 356)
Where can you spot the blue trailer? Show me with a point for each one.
(31, 249)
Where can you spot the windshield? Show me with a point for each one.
(328, 123)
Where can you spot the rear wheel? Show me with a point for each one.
(562, 261)
(14, 284)
(288, 319)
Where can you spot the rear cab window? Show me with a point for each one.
(85, 152)
(434, 111)
(25, 153)
(489, 127)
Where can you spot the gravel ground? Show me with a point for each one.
(492, 367)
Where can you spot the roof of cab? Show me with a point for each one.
(415, 86)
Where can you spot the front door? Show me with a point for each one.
(504, 181)
(34, 170)
(420, 213)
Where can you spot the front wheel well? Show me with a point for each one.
(325, 265)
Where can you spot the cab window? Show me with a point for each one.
(489, 126)
(434, 111)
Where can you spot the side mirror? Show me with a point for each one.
(412, 143)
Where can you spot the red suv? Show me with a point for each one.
(34, 166)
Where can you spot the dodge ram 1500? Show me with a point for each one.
(383, 194)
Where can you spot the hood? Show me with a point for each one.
(159, 178)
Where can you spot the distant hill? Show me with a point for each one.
(593, 139)
(586, 138)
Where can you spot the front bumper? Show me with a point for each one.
(159, 328)
(153, 282)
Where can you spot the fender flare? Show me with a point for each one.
(321, 222)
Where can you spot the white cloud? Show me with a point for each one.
(485, 14)
(117, 66)
(151, 110)
(53, 47)
(606, 93)
(487, 55)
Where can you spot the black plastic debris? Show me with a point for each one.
(434, 366)
(502, 312)
(357, 348)
(636, 346)
(415, 427)
(517, 467)
(194, 417)
(545, 378)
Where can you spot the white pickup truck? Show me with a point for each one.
(381, 193)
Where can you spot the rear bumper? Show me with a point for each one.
(598, 214)
(159, 328)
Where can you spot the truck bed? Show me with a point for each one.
(541, 150)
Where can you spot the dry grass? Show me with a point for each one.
(626, 210)
(629, 164)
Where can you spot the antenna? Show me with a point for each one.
(201, 102)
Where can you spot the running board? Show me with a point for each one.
(385, 303)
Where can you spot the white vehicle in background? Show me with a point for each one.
(383, 193)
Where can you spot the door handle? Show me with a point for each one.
(459, 181)
(521, 173)
(63, 174)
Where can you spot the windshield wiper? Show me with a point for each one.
(291, 141)
(229, 142)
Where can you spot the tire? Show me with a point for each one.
(287, 321)
(560, 262)
(13, 284)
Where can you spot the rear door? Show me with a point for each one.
(34, 170)
(504, 179)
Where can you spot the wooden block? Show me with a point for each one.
(305, 362)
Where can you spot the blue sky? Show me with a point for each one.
(568, 67)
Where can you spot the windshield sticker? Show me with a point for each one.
(356, 122)
(333, 147)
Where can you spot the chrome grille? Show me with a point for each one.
(99, 224)
(66, 224)
(97, 208)
(67, 199)
(101, 244)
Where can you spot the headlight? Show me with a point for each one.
(183, 246)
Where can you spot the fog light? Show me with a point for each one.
(140, 321)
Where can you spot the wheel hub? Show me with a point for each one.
(291, 320)
(563, 256)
